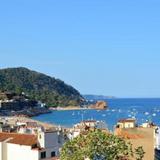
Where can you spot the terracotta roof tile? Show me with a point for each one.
(22, 139)
(126, 120)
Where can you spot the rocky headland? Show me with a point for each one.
(99, 105)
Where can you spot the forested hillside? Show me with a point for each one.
(38, 86)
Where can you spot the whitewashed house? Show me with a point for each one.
(43, 146)
(29, 128)
(91, 124)
(85, 125)
(126, 123)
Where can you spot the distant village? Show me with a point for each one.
(28, 139)
(12, 104)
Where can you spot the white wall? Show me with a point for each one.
(11, 151)
(20, 152)
(0, 150)
(49, 141)
(49, 151)
(129, 125)
(157, 136)
(4, 150)
(41, 139)
(73, 134)
(126, 125)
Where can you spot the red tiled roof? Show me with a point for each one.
(126, 120)
(15, 138)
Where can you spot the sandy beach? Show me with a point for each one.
(14, 119)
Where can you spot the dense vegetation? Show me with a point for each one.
(98, 145)
(38, 86)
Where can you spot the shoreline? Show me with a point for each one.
(13, 119)
(69, 108)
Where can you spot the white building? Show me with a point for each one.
(126, 123)
(157, 144)
(29, 128)
(147, 125)
(85, 125)
(157, 137)
(73, 133)
(14, 146)
(91, 124)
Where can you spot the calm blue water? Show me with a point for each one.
(141, 109)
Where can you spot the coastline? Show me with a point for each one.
(70, 108)
(99, 105)
(13, 119)
(31, 112)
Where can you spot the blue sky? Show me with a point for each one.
(98, 46)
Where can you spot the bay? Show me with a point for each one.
(143, 109)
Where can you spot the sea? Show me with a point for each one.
(143, 109)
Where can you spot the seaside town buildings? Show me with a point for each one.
(29, 141)
(12, 104)
(91, 124)
(15, 146)
(126, 123)
(138, 135)
(84, 126)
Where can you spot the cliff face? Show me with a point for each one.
(38, 86)
(100, 105)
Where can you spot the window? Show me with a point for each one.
(43, 154)
(53, 154)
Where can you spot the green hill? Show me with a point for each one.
(38, 86)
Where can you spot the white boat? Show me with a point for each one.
(146, 113)
(119, 111)
(154, 114)
(129, 115)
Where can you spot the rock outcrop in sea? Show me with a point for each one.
(100, 105)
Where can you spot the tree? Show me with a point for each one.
(38, 86)
(140, 153)
(98, 145)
